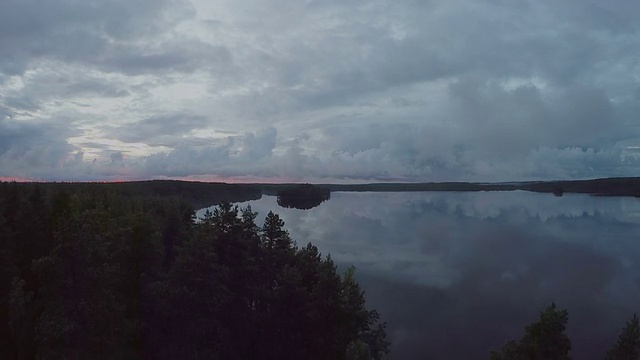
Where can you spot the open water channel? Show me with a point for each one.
(456, 275)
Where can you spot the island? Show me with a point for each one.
(304, 196)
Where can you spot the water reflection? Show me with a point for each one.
(457, 274)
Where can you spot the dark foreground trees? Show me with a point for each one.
(542, 340)
(627, 347)
(104, 276)
(545, 339)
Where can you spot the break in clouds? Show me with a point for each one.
(318, 90)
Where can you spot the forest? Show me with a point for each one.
(629, 186)
(546, 339)
(92, 273)
(126, 271)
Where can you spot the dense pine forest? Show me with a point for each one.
(91, 273)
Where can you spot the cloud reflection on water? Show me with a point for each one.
(457, 274)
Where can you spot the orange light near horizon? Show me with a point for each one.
(210, 178)
(16, 179)
(22, 179)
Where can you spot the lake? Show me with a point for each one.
(456, 275)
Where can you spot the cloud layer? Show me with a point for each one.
(318, 90)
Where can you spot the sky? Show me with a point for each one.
(319, 90)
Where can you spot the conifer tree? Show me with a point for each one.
(627, 346)
(544, 339)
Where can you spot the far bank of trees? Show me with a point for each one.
(99, 275)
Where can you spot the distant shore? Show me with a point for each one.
(629, 186)
(202, 194)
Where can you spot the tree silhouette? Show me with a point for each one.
(93, 273)
(544, 339)
(628, 344)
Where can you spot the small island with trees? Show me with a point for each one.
(304, 196)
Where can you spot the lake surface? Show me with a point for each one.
(456, 275)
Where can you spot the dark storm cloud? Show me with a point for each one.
(229, 157)
(21, 103)
(519, 133)
(176, 55)
(94, 145)
(165, 130)
(5, 113)
(140, 63)
(32, 149)
(258, 146)
(64, 86)
(77, 31)
(505, 123)
(525, 80)
(414, 44)
(96, 87)
(116, 157)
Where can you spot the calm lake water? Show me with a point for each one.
(456, 275)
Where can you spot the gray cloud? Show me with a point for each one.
(30, 149)
(165, 130)
(231, 157)
(181, 55)
(438, 90)
(77, 31)
(61, 88)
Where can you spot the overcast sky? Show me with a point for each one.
(325, 90)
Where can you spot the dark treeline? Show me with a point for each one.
(305, 196)
(603, 187)
(545, 339)
(93, 274)
(197, 194)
